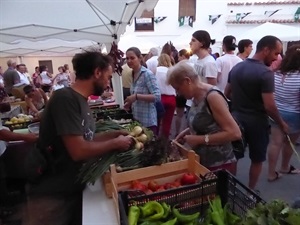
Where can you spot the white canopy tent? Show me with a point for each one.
(100, 21)
(49, 47)
(283, 32)
(142, 43)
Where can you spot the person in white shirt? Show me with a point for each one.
(21, 69)
(152, 62)
(227, 61)
(205, 66)
(181, 102)
(46, 79)
(168, 94)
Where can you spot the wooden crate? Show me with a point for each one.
(162, 173)
(106, 178)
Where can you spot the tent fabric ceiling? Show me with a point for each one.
(142, 43)
(50, 47)
(100, 21)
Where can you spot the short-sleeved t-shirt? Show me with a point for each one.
(225, 63)
(248, 80)
(10, 77)
(67, 113)
(287, 92)
(206, 68)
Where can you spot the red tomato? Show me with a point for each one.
(161, 188)
(188, 178)
(137, 185)
(153, 185)
(168, 186)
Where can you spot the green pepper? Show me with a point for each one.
(194, 222)
(170, 222)
(216, 218)
(232, 219)
(152, 211)
(151, 223)
(217, 212)
(183, 218)
(133, 215)
(167, 210)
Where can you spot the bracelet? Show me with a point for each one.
(136, 96)
(206, 139)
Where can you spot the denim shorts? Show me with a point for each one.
(292, 119)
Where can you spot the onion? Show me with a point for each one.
(136, 131)
(142, 138)
(139, 146)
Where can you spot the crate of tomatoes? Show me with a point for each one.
(158, 178)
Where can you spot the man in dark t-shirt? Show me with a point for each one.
(250, 87)
(66, 139)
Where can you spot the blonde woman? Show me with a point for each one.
(209, 132)
(167, 94)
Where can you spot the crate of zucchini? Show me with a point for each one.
(219, 199)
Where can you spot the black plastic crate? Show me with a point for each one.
(194, 198)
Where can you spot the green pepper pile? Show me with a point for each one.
(217, 215)
(155, 213)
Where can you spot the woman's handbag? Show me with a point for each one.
(239, 146)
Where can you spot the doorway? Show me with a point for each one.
(47, 63)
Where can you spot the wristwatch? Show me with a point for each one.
(206, 139)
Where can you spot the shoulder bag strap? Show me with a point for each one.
(217, 90)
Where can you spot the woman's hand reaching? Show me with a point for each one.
(130, 99)
(180, 137)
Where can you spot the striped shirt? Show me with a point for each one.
(287, 92)
(145, 112)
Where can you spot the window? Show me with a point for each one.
(47, 63)
(187, 8)
(145, 22)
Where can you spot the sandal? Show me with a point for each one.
(292, 170)
(278, 176)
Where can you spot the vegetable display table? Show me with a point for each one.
(97, 208)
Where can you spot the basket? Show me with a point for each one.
(16, 126)
(194, 198)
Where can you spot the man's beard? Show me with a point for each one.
(98, 90)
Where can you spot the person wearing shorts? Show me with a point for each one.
(287, 86)
(250, 87)
(180, 106)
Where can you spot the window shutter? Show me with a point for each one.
(187, 8)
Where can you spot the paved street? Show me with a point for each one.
(286, 188)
